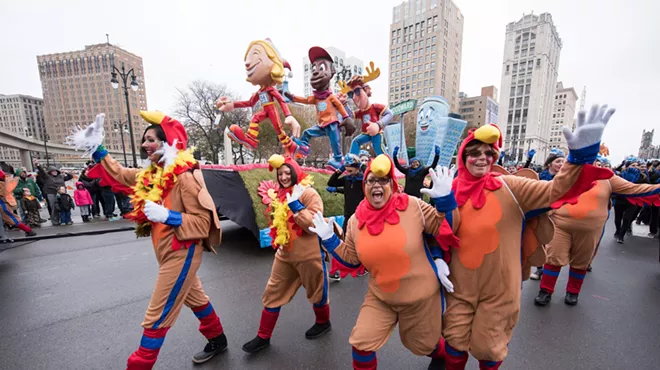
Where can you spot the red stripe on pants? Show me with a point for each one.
(359, 365)
(322, 314)
(547, 280)
(574, 283)
(145, 358)
(210, 326)
(267, 324)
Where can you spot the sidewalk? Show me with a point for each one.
(48, 231)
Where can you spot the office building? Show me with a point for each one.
(527, 92)
(646, 149)
(563, 114)
(426, 39)
(76, 87)
(479, 110)
(23, 115)
(345, 66)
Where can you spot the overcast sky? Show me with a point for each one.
(612, 47)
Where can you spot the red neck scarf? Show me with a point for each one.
(375, 219)
(466, 186)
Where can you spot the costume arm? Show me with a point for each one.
(247, 103)
(340, 107)
(283, 105)
(644, 192)
(537, 197)
(311, 203)
(195, 222)
(125, 176)
(386, 116)
(335, 180)
(300, 99)
(344, 251)
(441, 222)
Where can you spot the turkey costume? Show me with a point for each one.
(173, 206)
(299, 260)
(579, 230)
(486, 268)
(8, 205)
(404, 285)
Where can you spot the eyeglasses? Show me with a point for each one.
(478, 153)
(381, 180)
(356, 92)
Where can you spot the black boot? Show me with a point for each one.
(256, 345)
(213, 347)
(437, 364)
(318, 330)
(571, 299)
(543, 298)
(30, 233)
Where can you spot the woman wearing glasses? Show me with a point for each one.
(385, 235)
(486, 268)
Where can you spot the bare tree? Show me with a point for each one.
(195, 108)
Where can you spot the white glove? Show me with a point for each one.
(88, 138)
(156, 212)
(298, 190)
(443, 275)
(441, 182)
(588, 131)
(167, 153)
(322, 228)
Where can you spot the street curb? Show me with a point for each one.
(70, 234)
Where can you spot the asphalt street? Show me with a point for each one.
(77, 303)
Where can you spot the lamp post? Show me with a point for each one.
(120, 127)
(46, 138)
(134, 86)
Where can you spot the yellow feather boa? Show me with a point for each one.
(280, 216)
(154, 181)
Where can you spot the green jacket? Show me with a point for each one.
(27, 183)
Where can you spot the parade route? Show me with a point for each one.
(77, 302)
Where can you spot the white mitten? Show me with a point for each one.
(588, 131)
(297, 191)
(441, 182)
(443, 275)
(156, 212)
(167, 153)
(322, 228)
(88, 138)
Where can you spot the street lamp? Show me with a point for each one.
(134, 86)
(46, 138)
(120, 127)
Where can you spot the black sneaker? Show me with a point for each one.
(437, 364)
(543, 298)
(212, 348)
(537, 274)
(589, 268)
(571, 299)
(335, 276)
(31, 233)
(256, 345)
(318, 330)
(619, 240)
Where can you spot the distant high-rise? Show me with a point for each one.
(646, 148)
(76, 87)
(480, 110)
(345, 66)
(529, 77)
(24, 115)
(426, 38)
(563, 114)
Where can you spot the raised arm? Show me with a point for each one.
(125, 176)
(335, 180)
(576, 176)
(403, 170)
(436, 159)
(304, 203)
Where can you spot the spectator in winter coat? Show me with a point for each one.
(30, 206)
(83, 201)
(63, 206)
(53, 180)
(94, 188)
(415, 173)
(25, 182)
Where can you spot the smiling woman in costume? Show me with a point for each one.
(172, 205)
(299, 260)
(386, 235)
(486, 268)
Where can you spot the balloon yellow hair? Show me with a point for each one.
(277, 72)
